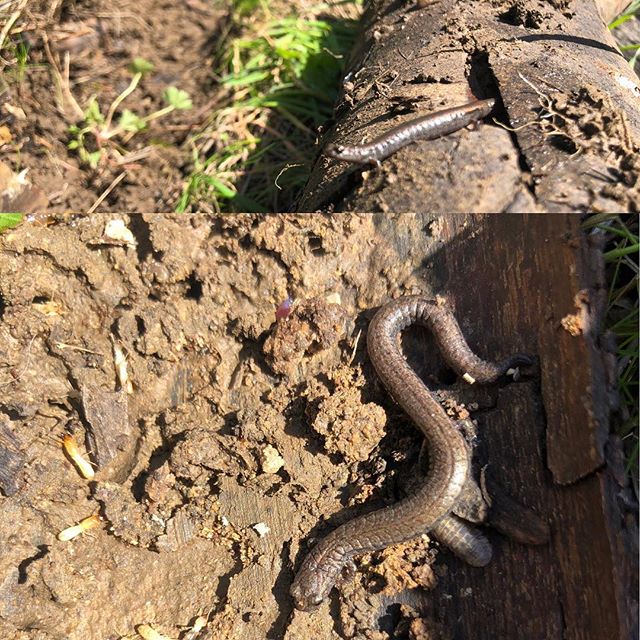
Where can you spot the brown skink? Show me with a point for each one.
(427, 127)
(448, 453)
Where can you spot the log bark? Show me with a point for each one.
(532, 276)
(564, 136)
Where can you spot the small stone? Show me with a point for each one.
(261, 529)
(116, 229)
(270, 460)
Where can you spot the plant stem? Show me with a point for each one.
(152, 116)
(159, 113)
(116, 103)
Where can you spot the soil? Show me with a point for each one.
(216, 468)
(100, 39)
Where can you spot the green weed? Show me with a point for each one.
(9, 220)
(20, 52)
(14, 60)
(280, 84)
(631, 12)
(98, 132)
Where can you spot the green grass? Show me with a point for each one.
(621, 258)
(279, 79)
(631, 12)
(14, 51)
(18, 53)
(91, 137)
(14, 58)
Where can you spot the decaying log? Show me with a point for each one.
(548, 443)
(564, 135)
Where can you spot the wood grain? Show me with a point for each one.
(543, 439)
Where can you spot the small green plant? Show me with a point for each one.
(9, 220)
(247, 7)
(280, 78)
(218, 187)
(20, 53)
(631, 12)
(98, 131)
(14, 60)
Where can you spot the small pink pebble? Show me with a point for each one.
(284, 309)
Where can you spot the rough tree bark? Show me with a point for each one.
(542, 281)
(564, 135)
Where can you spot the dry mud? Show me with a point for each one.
(249, 428)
